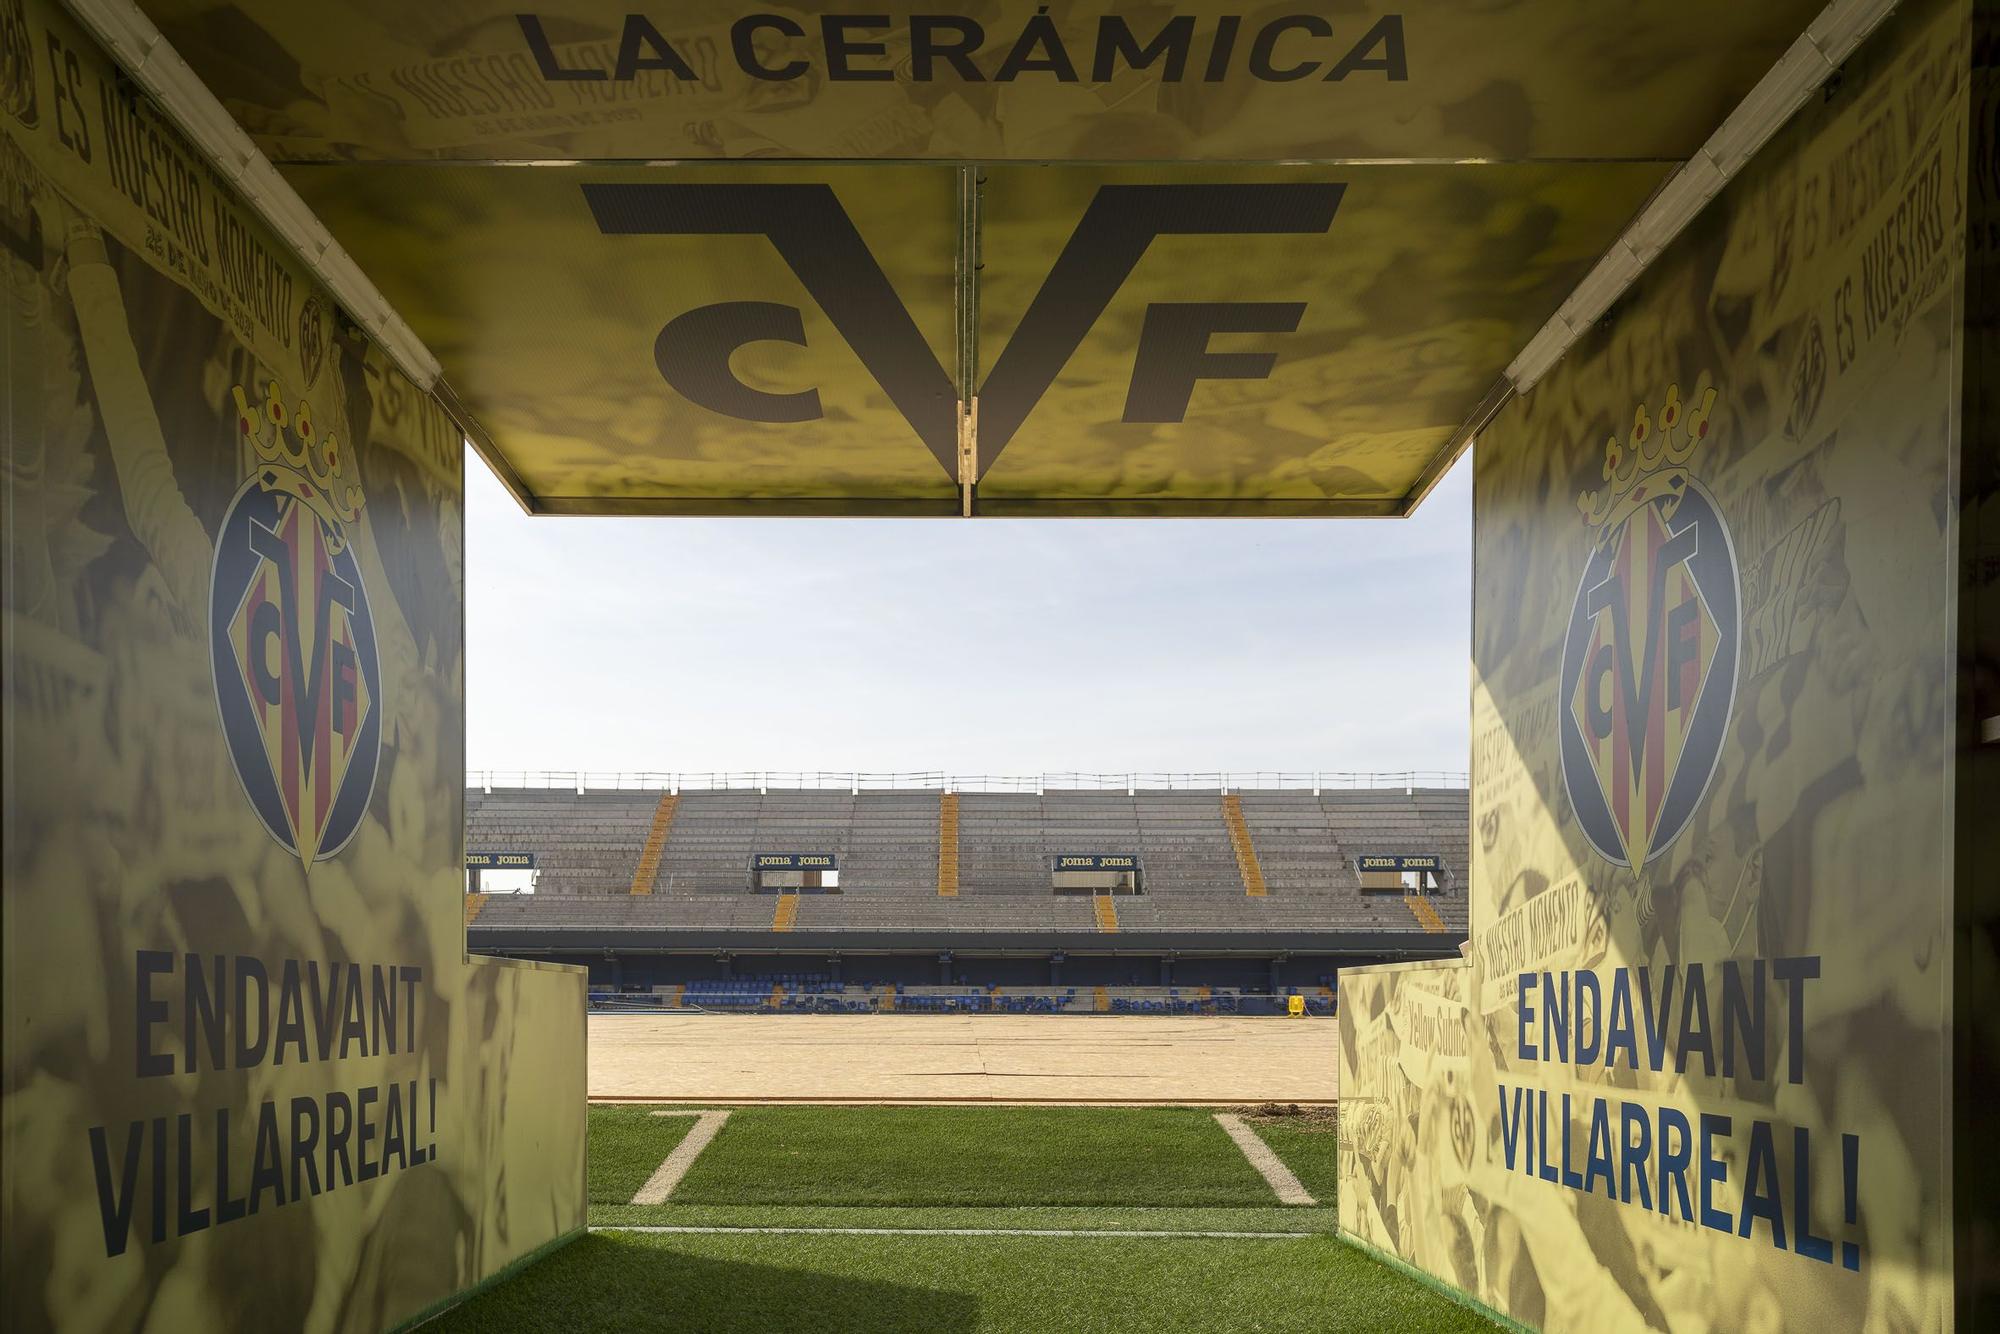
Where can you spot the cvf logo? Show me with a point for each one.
(297, 679)
(1650, 660)
(817, 240)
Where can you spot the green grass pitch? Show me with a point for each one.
(1000, 1169)
(982, 1156)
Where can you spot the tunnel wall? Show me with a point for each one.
(1696, 1071)
(251, 1079)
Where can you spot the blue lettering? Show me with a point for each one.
(1713, 1169)
(1632, 1156)
(1619, 1031)
(1674, 1161)
(1597, 1160)
(1694, 1035)
(1510, 1127)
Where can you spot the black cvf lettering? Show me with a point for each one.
(693, 354)
(816, 239)
(1173, 352)
(1106, 246)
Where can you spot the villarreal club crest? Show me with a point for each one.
(1650, 658)
(297, 678)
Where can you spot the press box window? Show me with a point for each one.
(1408, 873)
(794, 873)
(1096, 873)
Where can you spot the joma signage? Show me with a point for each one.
(819, 243)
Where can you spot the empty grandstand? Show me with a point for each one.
(1109, 883)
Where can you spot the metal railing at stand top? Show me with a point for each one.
(760, 780)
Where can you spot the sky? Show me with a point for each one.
(991, 646)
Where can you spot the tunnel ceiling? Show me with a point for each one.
(1199, 259)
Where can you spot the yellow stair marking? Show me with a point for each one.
(473, 903)
(786, 912)
(648, 869)
(1107, 912)
(680, 990)
(1421, 908)
(948, 845)
(1103, 999)
(1246, 852)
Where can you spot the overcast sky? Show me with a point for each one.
(997, 646)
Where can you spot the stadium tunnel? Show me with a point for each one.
(1705, 281)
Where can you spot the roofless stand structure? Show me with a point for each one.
(1261, 887)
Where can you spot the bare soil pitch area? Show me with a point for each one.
(712, 1058)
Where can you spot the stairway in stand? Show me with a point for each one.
(1107, 912)
(1246, 851)
(648, 869)
(1424, 913)
(947, 876)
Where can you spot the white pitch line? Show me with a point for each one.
(676, 1164)
(942, 1231)
(1290, 1190)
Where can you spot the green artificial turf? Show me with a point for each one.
(1311, 1148)
(965, 1156)
(771, 1284)
(1082, 1169)
(626, 1146)
(1097, 1218)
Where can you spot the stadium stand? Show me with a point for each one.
(652, 888)
(816, 994)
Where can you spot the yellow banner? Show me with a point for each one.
(1148, 341)
(249, 1075)
(1708, 1001)
(744, 334)
(1449, 80)
(1261, 340)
